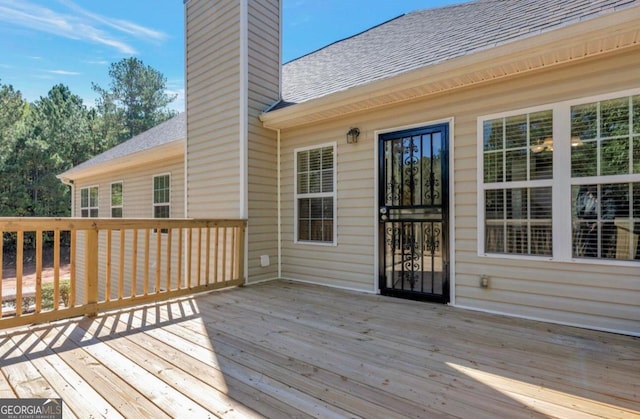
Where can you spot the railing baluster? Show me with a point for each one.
(188, 261)
(56, 269)
(121, 267)
(207, 256)
(19, 256)
(38, 271)
(215, 253)
(145, 285)
(72, 268)
(180, 250)
(240, 252)
(199, 268)
(224, 254)
(232, 264)
(91, 269)
(134, 263)
(169, 256)
(107, 282)
(158, 259)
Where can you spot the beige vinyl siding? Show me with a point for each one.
(213, 114)
(137, 203)
(596, 295)
(263, 90)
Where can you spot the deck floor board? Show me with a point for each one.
(285, 349)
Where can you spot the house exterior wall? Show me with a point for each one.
(263, 90)
(137, 203)
(233, 67)
(598, 295)
(214, 181)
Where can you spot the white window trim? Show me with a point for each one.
(562, 181)
(153, 190)
(89, 208)
(111, 198)
(333, 194)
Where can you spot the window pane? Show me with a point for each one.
(161, 211)
(304, 208)
(116, 194)
(304, 231)
(516, 131)
(93, 213)
(636, 154)
(602, 224)
(519, 224)
(303, 161)
(615, 157)
(541, 165)
(303, 183)
(327, 158)
(116, 212)
(314, 182)
(615, 117)
(493, 167)
(584, 121)
(516, 165)
(327, 180)
(494, 204)
(540, 127)
(636, 114)
(93, 197)
(493, 135)
(84, 213)
(84, 198)
(314, 159)
(584, 160)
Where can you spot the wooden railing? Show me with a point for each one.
(93, 265)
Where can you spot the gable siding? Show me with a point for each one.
(213, 114)
(600, 296)
(263, 90)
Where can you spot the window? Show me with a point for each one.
(89, 202)
(315, 194)
(116, 200)
(562, 181)
(162, 196)
(605, 178)
(518, 169)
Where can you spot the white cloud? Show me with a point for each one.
(63, 72)
(80, 24)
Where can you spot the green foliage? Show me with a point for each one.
(57, 132)
(48, 293)
(135, 101)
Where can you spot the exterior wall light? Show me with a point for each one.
(352, 135)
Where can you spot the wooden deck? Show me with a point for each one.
(285, 350)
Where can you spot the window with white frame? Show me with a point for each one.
(562, 181)
(162, 196)
(315, 194)
(517, 180)
(89, 202)
(116, 200)
(605, 178)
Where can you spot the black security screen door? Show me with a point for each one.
(413, 214)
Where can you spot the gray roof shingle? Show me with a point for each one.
(428, 37)
(174, 129)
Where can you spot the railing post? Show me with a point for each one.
(91, 270)
(242, 233)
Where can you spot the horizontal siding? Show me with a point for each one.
(594, 295)
(263, 90)
(137, 197)
(213, 117)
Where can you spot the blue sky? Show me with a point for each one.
(46, 42)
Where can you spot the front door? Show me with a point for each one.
(413, 213)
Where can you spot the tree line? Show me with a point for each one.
(41, 139)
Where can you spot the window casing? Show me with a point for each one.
(315, 194)
(116, 199)
(89, 202)
(582, 200)
(162, 196)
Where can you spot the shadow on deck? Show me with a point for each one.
(293, 350)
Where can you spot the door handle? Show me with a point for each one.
(383, 214)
